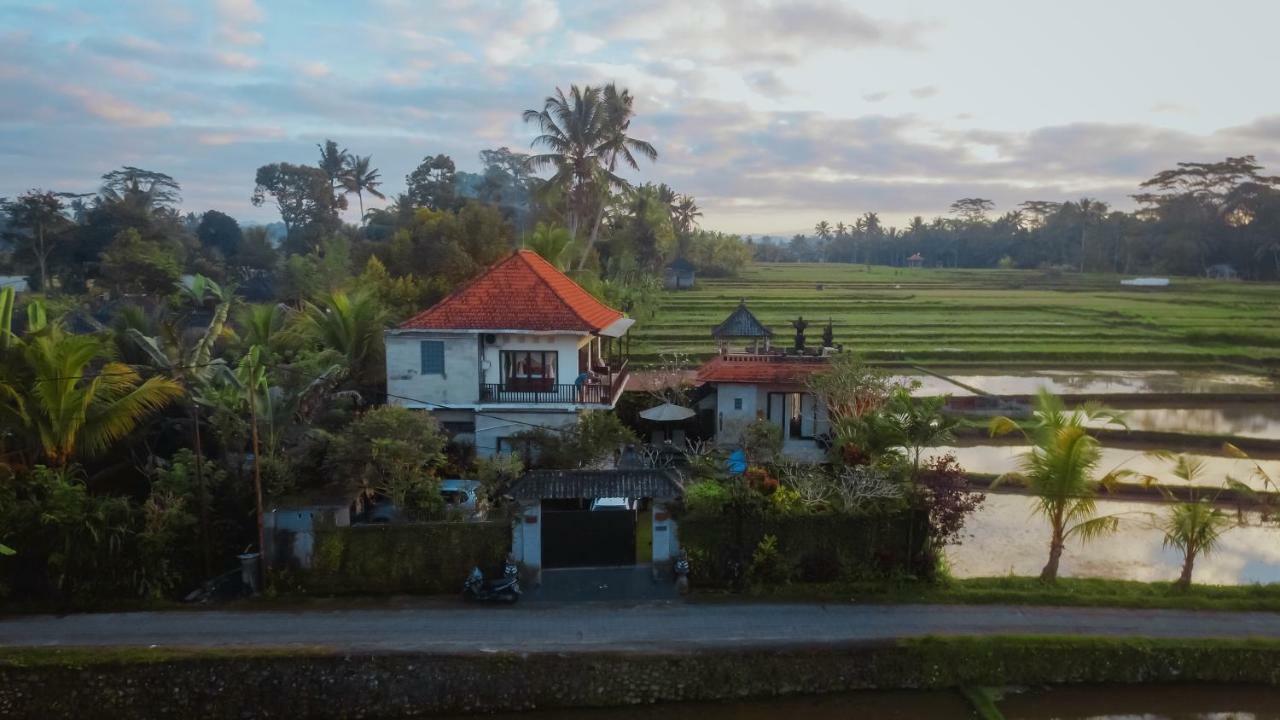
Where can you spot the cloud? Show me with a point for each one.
(236, 19)
(113, 109)
(877, 96)
(315, 69)
(926, 91)
(236, 60)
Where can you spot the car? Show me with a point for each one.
(613, 503)
(459, 493)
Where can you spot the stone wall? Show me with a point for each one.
(264, 684)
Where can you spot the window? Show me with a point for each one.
(737, 403)
(534, 370)
(432, 357)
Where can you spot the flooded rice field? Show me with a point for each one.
(1006, 537)
(1000, 459)
(1253, 420)
(1090, 702)
(1113, 381)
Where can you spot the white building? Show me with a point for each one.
(764, 382)
(521, 346)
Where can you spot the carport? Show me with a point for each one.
(556, 526)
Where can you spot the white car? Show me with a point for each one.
(613, 503)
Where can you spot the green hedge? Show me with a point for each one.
(811, 548)
(419, 558)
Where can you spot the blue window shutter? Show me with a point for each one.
(432, 357)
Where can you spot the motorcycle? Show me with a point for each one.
(507, 590)
(682, 573)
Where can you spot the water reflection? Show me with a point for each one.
(999, 459)
(1005, 537)
(1098, 382)
(1088, 702)
(1257, 420)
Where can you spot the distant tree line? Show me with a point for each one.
(1189, 219)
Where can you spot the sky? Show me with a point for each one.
(773, 115)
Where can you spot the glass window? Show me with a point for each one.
(737, 403)
(530, 365)
(432, 357)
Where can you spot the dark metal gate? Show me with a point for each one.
(583, 538)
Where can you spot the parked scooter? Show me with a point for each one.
(682, 573)
(505, 590)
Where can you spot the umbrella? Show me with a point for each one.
(666, 412)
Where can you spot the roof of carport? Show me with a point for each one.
(567, 484)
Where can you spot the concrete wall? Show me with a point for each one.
(526, 539)
(290, 532)
(730, 422)
(496, 424)
(665, 544)
(460, 385)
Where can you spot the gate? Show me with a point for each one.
(583, 538)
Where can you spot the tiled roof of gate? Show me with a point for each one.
(520, 292)
(568, 484)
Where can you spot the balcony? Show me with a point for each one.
(602, 391)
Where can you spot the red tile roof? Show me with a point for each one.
(759, 369)
(520, 292)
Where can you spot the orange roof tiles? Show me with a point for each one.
(520, 292)
(758, 369)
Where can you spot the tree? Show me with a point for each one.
(360, 178)
(221, 232)
(553, 243)
(65, 405)
(305, 198)
(1059, 470)
(131, 264)
(972, 210)
(333, 162)
(617, 143)
(40, 216)
(921, 423)
(685, 214)
(433, 183)
(393, 452)
(1193, 524)
(822, 230)
(352, 326)
(143, 190)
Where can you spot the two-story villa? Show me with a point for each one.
(520, 346)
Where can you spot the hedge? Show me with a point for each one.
(416, 558)
(811, 548)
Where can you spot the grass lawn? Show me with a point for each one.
(1085, 592)
(949, 316)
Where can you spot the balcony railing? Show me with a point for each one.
(602, 391)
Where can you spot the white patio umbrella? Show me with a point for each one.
(666, 412)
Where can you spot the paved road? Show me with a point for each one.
(599, 626)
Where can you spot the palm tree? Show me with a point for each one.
(262, 325)
(1193, 523)
(351, 325)
(585, 135)
(1060, 469)
(823, 230)
(1091, 212)
(192, 368)
(920, 422)
(552, 242)
(65, 409)
(572, 131)
(333, 161)
(360, 178)
(685, 214)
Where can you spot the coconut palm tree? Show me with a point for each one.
(64, 408)
(572, 130)
(552, 242)
(351, 325)
(1192, 522)
(685, 214)
(360, 178)
(333, 161)
(193, 367)
(823, 230)
(1060, 471)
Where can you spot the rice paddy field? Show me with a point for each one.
(990, 317)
